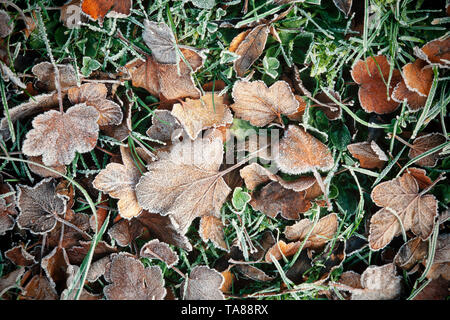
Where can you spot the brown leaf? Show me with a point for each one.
(334, 111)
(281, 249)
(410, 253)
(436, 52)
(425, 143)
(7, 207)
(39, 205)
(39, 288)
(184, 184)
(421, 177)
(253, 273)
(207, 112)
(71, 236)
(211, 228)
(154, 249)
(119, 181)
(437, 289)
(131, 281)
(76, 254)
(45, 72)
(94, 95)
(255, 102)
(369, 154)
(162, 228)
(163, 80)
(165, 127)
(331, 258)
(99, 9)
(250, 48)
(5, 24)
(344, 5)
(158, 36)
(273, 199)
(228, 281)
(237, 40)
(20, 257)
(203, 284)
(57, 136)
(372, 93)
(414, 101)
(418, 77)
(300, 152)
(324, 230)
(10, 280)
(379, 283)
(417, 212)
(43, 172)
(441, 261)
(126, 231)
(55, 266)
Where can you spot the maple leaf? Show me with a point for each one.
(436, 52)
(249, 48)
(207, 112)
(203, 284)
(416, 211)
(423, 144)
(369, 154)
(94, 94)
(99, 9)
(40, 206)
(372, 93)
(159, 37)
(185, 183)
(129, 280)
(57, 136)
(119, 181)
(155, 249)
(164, 80)
(255, 102)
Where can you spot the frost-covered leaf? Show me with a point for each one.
(159, 37)
(436, 52)
(99, 9)
(165, 127)
(203, 283)
(45, 72)
(369, 154)
(423, 144)
(211, 228)
(155, 249)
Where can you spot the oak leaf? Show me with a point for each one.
(94, 94)
(119, 181)
(57, 136)
(185, 183)
(401, 195)
(203, 283)
(250, 48)
(373, 93)
(129, 280)
(207, 112)
(255, 102)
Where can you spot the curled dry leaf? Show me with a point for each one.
(421, 177)
(274, 199)
(71, 236)
(57, 136)
(99, 9)
(126, 231)
(8, 75)
(162, 228)
(344, 5)
(437, 289)
(414, 101)
(324, 231)
(203, 283)
(423, 144)
(410, 253)
(9, 281)
(300, 152)
(7, 207)
(131, 281)
(155, 249)
(45, 72)
(253, 273)
(207, 112)
(331, 258)
(334, 111)
(159, 37)
(44, 172)
(165, 127)
(250, 48)
(55, 265)
(373, 93)
(39, 206)
(94, 94)
(436, 52)
(39, 288)
(20, 257)
(211, 228)
(369, 154)
(5, 24)
(76, 254)
(280, 249)
(185, 183)
(259, 104)
(163, 80)
(441, 260)
(401, 195)
(378, 283)
(119, 181)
